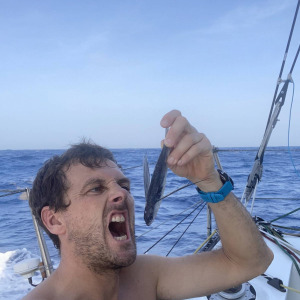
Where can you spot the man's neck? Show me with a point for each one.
(73, 278)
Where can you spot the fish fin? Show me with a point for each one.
(146, 175)
(24, 196)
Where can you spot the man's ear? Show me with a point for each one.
(53, 221)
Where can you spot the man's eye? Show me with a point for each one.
(126, 187)
(97, 189)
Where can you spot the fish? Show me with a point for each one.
(155, 189)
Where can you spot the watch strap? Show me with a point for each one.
(215, 197)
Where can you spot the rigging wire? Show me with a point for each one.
(289, 128)
(133, 167)
(277, 198)
(174, 216)
(185, 230)
(283, 63)
(202, 203)
(10, 192)
(280, 217)
(278, 100)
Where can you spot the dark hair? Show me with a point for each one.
(50, 184)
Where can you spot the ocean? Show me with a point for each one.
(278, 193)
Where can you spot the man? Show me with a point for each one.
(83, 201)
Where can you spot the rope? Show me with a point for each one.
(284, 227)
(280, 284)
(285, 250)
(290, 288)
(280, 217)
(285, 244)
(196, 251)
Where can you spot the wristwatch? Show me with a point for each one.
(215, 197)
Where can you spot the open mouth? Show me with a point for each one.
(117, 227)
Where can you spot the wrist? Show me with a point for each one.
(212, 184)
(214, 193)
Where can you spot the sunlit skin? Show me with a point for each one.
(90, 256)
(96, 195)
(98, 253)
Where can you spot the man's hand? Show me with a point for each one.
(191, 154)
(244, 253)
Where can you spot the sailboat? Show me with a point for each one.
(282, 279)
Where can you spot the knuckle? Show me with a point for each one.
(183, 119)
(176, 112)
(186, 157)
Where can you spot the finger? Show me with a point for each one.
(178, 130)
(192, 164)
(168, 119)
(200, 149)
(185, 150)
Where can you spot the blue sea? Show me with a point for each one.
(278, 193)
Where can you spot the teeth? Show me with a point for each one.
(121, 238)
(118, 218)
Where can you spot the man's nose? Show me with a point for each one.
(118, 194)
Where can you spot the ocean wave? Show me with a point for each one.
(13, 286)
(17, 229)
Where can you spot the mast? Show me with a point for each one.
(277, 103)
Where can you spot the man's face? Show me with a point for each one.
(100, 218)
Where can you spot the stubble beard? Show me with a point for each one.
(91, 247)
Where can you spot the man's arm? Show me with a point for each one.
(244, 253)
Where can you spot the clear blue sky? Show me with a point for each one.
(109, 70)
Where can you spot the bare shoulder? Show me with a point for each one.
(148, 263)
(34, 295)
(42, 292)
(139, 281)
(157, 277)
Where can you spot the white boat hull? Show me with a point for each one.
(282, 268)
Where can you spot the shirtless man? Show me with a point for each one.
(83, 201)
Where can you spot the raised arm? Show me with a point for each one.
(243, 255)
